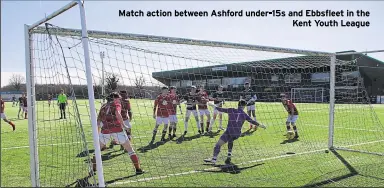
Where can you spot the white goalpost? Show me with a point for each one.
(332, 111)
(32, 97)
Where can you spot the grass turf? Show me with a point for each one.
(259, 159)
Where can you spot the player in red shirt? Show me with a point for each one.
(2, 114)
(125, 109)
(112, 126)
(293, 114)
(161, 106)
(203, 99)
(172, 112)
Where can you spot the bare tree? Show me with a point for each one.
(16, 81)
(140, 82)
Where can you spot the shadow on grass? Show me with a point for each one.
(110, 155)
(83, 182)
(290, 141)
(352, 172)
(212, 134)
(152, 145)
(16, 119)
(230, 168)
(85, 153)
(249, 132)
(183, 138)
(122, 178)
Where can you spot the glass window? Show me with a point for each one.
(354, 74)
(199, 82)
(186, 83)
(214, 82)
(226, 82)
(292, 78)
(320, 77)
(275, 78)
(175, 83)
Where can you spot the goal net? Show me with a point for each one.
(142, 64)
(307, 95)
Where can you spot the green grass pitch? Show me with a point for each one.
(260, 159)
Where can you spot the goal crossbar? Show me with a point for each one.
(54, 14)
(175, 40)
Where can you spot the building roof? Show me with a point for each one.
(299, 62)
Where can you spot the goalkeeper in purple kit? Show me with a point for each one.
(236, 119)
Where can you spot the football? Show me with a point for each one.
(290, 135)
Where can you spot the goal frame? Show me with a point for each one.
(32, 128)
(84, 33)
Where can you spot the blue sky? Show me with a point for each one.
(102, 15)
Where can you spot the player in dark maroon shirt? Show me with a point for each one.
(49, 100)
(203, 99)
(293, 114)
(2, 114)
(112, 127)
(25, 105)
(174, 98)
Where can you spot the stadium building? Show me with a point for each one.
(306, 78)
(7, 95)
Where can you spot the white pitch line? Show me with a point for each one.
(248, 162)
(357, 129)
(46, 145)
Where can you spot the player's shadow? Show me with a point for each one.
(212, 134)
(249, 132)
(110, 155)
(183, 138)
(121, 178)
(230, 168)
(152, 145)
(352, 172)
(85, 153)
(83, 182)
(16, 119)
(290, 141)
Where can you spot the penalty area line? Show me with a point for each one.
(58, 144)
(247, 162)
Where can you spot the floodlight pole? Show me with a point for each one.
(91, 94)
(102, 55)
